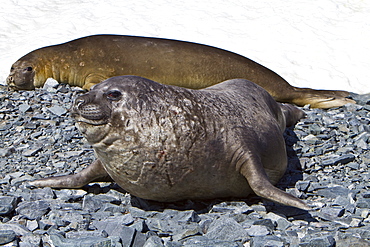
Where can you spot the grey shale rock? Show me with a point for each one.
(7, 204)
(60, 241)
(225, 228)
(324, 241)
(258, 230)
(33, 210)
(7, 236)
(58, 110)
(153, 241)
(50, 83)
(263, 241)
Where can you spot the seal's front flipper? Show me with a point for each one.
(252, 169)
(94, 172)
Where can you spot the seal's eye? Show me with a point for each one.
(114, 95)
(29, 69)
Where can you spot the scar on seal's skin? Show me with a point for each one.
(171, 62)
(222, 141)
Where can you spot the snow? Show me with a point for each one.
(322, 44)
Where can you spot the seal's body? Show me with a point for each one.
(87, 61)
(168, 143)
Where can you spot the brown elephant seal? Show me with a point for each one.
(167, 143)
(87, 61)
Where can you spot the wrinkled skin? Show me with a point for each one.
(167, 143)
(87, 61)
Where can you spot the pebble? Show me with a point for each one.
(6, 236)
(7, 204)
(58, 110)
(272, 241)
(225, 228)
(258, 230)
(328, 167)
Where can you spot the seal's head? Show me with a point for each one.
(107, 105)
(22, 74)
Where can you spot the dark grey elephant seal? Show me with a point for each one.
(87, 61)
(167, 143)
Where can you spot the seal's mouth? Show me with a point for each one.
(89, 113)
(81, 119)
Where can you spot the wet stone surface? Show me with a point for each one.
(329, 156)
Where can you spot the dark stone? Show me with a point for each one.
(265, 222)
(325, 241)
(331, 213)
(353, 165)
(60, 241)
(91, 203)
(140, 226)
(7, 236)
(33, 210)
(153, 241)
(7, 204)
(32, 152)
(40, 194)
(15, 227)
(361, 99)
(57, 110)
(24, 107)
(346, 202)
(200, 241)
(181, 216)
(187, 231)
(30, 240)
(302, 185)
(338, 159)
(115, 228)
(139, 240)
(225, 228)
(352, 242)
(258, 230)
(363, 203)
(272, 241)
(366, 195)
(85, 234)
(344, 159)
(333, 192)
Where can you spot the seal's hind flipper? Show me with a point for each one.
(252, 169)
(94, 172)
(321, 98)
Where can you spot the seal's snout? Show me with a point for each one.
(10, 80)
(86, 108)
(292, 114)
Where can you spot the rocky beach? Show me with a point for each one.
(329, 157)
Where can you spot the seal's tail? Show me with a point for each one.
(292, 114)
(320, 98)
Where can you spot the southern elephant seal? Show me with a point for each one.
(168, 143)
(87, 61)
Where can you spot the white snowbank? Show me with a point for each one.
(311, 43)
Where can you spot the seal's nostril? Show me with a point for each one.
(79, 101)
